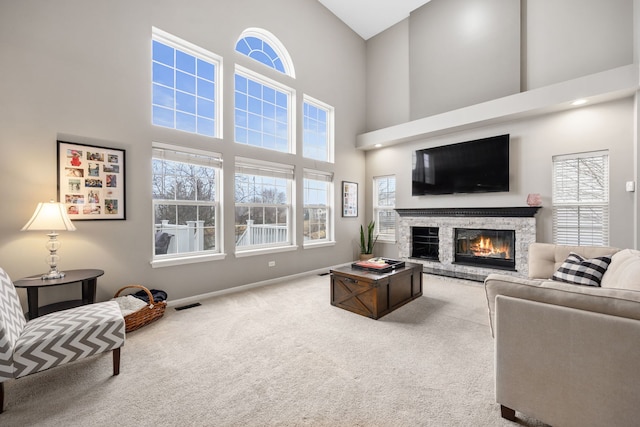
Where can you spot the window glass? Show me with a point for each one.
(263, 208)
(384, 195)
(185, 192)
(262, 114)
(318, 208)
(184, 81)
(317, 123)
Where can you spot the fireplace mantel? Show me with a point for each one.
(501, 212)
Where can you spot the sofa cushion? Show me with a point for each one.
(624, 271)
(580, 271)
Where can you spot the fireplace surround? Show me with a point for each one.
(450, 232)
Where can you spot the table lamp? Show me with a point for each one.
(50, 217)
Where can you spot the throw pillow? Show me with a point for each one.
(580, 271)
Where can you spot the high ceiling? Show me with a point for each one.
(370, 17)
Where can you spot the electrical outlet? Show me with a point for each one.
(272, 263)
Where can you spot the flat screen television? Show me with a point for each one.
(479, 166)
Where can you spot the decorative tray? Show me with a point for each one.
(378, 265)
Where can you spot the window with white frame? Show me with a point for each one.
(384, 203)
(186, 89)
(264, 47)
(264, 116)
(263, 204)
(318, 209)
(186, 194)
(317, 134)
(581, 199)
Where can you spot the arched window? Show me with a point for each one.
(262, 46)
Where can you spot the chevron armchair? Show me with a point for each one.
(54, 339)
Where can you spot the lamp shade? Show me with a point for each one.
(50, 216)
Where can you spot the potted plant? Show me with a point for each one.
(368, 241)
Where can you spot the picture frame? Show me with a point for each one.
(349, 199)
(91, 181)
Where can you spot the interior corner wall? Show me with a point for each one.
(568, 39)
(388, 77)
(463, 52)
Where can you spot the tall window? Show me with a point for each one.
(317, 133)
(263, 206)
(186, 90)
(186, 194)
(581, 199)
(263, 113)
(384, 203)
(318, 209)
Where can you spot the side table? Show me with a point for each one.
(88, 278)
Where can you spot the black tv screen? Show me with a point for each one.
(478, 166)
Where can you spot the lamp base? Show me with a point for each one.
(53, 275)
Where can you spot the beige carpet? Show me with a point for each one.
(281, 355)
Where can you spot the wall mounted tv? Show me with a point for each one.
(479, 166)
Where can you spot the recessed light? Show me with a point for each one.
(378, 145)
(579, 102)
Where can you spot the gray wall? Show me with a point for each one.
(463, 52)
(573, 38)
(79, 70)
(561, 41)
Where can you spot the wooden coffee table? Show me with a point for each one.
(374, 295)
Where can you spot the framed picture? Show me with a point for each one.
(91, 181)
(349, 199)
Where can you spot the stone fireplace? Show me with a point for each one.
(468, 243)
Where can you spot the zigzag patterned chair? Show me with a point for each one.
(54, 339)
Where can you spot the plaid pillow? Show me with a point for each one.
(580, 271)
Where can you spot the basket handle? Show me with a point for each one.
(151, 301)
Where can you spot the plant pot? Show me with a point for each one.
(364, 257)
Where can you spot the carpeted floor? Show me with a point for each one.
(281, 355)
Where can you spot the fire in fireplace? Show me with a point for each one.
(481, 247)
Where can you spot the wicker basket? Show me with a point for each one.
(152, 312)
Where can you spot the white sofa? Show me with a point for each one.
(568, 354)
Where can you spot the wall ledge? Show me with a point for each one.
(609, 85)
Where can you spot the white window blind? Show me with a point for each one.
(581, 199)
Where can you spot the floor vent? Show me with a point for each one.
(184, 307)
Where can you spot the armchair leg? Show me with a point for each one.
(116, 361)
(507, 413)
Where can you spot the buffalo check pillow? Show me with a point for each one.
(580, 271)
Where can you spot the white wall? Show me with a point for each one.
(79, 70)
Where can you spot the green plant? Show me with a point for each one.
(369, 241)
